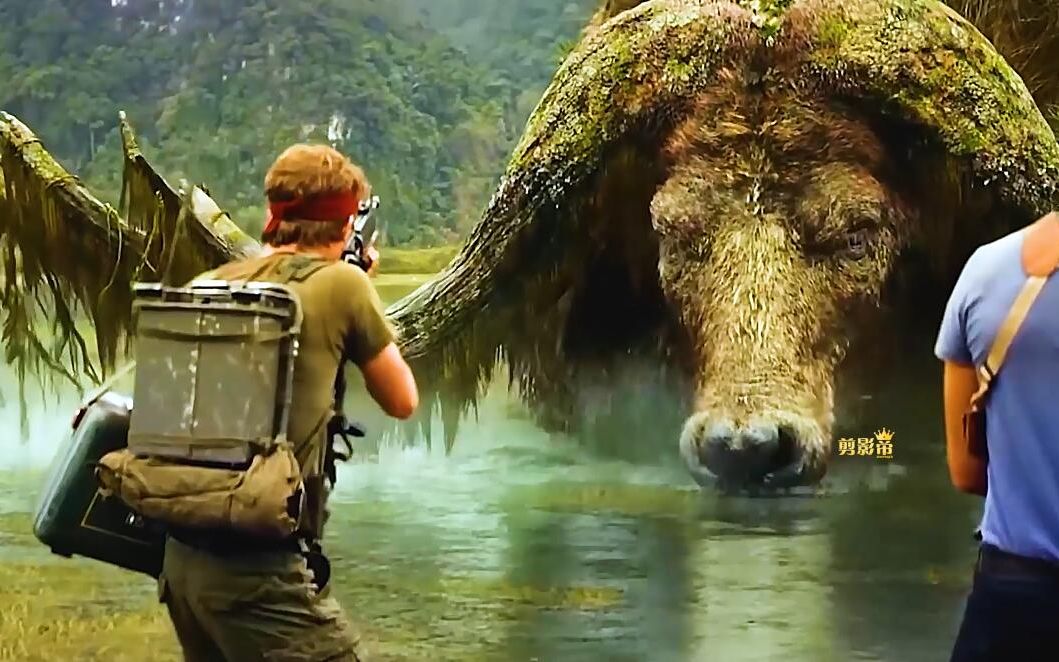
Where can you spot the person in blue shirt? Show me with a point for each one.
(1012, 612)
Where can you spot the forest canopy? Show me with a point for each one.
(429, 95)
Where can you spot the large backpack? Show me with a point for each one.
(215, 365)
(207, 444)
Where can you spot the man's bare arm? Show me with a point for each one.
(967, 472)
(390, 382)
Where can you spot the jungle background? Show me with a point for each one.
(429, 95)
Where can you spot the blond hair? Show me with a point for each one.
(305, 170)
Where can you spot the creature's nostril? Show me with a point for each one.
(718, 452)
(717, 434)
(744, 453)
(787, 448)
(760, 436)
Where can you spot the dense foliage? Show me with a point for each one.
(429, 95)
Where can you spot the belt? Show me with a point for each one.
(223, 542)
(994, 561)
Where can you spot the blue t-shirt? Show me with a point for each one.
(1022, 417)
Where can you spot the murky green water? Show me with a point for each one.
(521, 546)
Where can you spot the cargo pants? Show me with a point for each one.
(252, 607)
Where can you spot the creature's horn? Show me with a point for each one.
(1026, 32)
(187, 233)
(921, 63)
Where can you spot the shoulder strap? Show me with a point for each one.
(300, 267)
(1016, 315)
(294, 268)
(1010, 327)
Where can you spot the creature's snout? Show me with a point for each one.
(760, 453)
(750, 451)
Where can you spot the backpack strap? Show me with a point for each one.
(337, 429)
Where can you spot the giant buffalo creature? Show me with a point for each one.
(716, 197)
(712, 203)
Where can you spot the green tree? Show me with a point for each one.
(429, 99)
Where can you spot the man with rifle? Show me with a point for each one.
(236, 598)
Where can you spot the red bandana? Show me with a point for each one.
(325, 207)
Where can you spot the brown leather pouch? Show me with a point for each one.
(974, 433)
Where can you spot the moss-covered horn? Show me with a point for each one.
(988, 160)
(65, 258)
(1026, 32)
(925, 63)
(187, 233)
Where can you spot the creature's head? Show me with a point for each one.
(735, 184)
(778, 224)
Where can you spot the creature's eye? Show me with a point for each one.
(857, 244)
(851, 244)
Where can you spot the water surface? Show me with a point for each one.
(525, 546)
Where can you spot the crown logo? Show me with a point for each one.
(884, 435)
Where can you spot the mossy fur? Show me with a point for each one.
(579, 185)
(1024, 32)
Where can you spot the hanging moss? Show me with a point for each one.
(147, 201)
(187, 233)
(68, 261)
(65, 258)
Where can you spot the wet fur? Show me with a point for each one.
(766, 193)
(732, 224)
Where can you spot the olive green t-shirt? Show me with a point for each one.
(342, 318)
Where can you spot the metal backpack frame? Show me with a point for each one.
(185, 336)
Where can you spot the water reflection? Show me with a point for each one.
(761, 590)
(525, 546)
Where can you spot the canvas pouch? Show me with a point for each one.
(264, 500)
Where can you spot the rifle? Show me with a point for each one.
(364, 225)
(355, 253)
